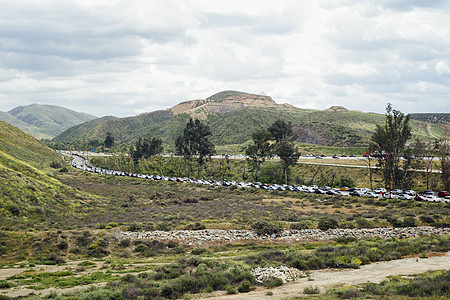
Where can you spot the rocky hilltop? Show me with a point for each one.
(223, 102)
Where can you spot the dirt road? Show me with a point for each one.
(375, 273)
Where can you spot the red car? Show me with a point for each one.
(442, 194)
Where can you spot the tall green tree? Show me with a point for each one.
(259, 151)
(146, 148)
(443, 151)
(288, 154)
(388, 142)
(281, 131)
(195, 141)
(109, 140)
(282, 134)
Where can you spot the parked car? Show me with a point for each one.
(420, 198)
(410, 192)
(388, 195)
(371, 195)
(405, 197)
(379, 190)
(357, 193)
(431, 198)
(442, 194)
(397, 191)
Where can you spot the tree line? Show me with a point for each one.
(388, 148)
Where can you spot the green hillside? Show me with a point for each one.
(44, 121)
(27, 189)
(436, 118)
(328, 128)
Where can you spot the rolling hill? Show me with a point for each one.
(234, 116)
(27, 189)
(44, 121)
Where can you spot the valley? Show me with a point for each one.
(165, 226)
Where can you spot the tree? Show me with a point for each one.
(423, 158)
(388, 141)
(194, 141)
(146, 148)
(284, 147)
(288, 154)
(281, 131)
(443, 150)
(258, 151)
(109, 140)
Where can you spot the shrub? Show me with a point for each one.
(198, 251)
(196, 226)
(298, 226)
(327, 223)
(244, 287)
(264, 228)
(230, 289)
(64, 170)
(311, 290)
(409, 222)
(272, 282)
(135, 227)
(55, 164)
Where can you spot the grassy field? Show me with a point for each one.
(59, 228)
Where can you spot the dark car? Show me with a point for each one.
(442, 194)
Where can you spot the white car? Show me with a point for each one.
(405, 197)
(379, 190)
(410, 192)
(431, 198)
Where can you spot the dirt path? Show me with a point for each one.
(375, 273)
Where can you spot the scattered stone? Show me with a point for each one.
(224, 236)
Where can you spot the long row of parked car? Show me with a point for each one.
(427, 195)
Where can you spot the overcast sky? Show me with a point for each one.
(123, 58)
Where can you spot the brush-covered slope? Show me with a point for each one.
(44, 121)
(126, 130)
(332, 127)
(26, 188)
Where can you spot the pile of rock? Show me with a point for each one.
(284, 273)
(198, 237)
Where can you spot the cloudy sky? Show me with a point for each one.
(127, 57)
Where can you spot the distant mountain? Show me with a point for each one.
(44, 121)
(234, 116)
(336, 108)
(435, 118)
(223, 102)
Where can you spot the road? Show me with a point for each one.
(326, 279)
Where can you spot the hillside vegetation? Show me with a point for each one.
(27, 188)
(44, 121)
(234, 116)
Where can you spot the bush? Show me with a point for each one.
(230, 289)
(196, 226)
(64, 170)
(311, 290)
(298, 226)
(244, 287)
(264, 228)
(272, 282)
(409, 222)
(327, 223)
(198, 251)
(55, 164)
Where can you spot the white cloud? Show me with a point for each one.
(126, 57)
(442, 68)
